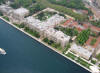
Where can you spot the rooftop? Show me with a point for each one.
(5, 8)
(81, 50)
(62, 36)
(21, 11)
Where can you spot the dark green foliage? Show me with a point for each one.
(52, 43)
(20, 25)
(77, 4)
(24, 3)
(63, 9)
(32, 32)
(83, 37)
(93, 61)
(68, 31)
(35, 8)
(45, 40)
(96, 23)
(45, 15)
(61, 14)
(6, 18)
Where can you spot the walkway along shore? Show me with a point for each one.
(39, 40)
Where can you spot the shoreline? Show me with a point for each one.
(45, 44)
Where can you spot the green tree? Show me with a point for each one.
(83, 37)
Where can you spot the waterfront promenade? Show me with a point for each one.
(39, 40)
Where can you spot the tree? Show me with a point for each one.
(83, 37)
(24, 3)
(35, 8)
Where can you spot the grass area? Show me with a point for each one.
(72, 56)
(45, 15)
(66, 48)
(93, 61)
(68, 31)
(78, 60)
(20, 25)
(63, 9)
(84, 63)
(32, 32)
(53, 44)
(6, 18)
(98, 56)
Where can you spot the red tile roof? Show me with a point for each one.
(95, 28)
(70, 22)
(67, 22)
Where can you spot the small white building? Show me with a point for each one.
(62, 38)
(83, 52)
(18, 15)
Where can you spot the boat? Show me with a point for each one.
(2, 51)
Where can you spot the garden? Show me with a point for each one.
(45, 15)
(52, 43)
(83, 36)
(32, 32)
(68, 31)
(78, 60)
(6, 18)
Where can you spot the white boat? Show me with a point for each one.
(2, 51)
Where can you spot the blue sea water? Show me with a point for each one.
(26, 55)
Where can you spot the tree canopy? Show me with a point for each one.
(77, 4)
(83, 37)
(24, 3)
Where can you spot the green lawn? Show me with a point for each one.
(32, 32)
(6, 18)
(84, 63)
(72, 56)
(78, 60)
